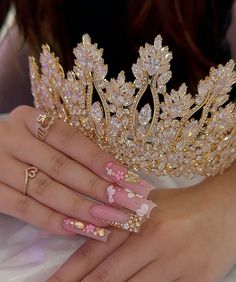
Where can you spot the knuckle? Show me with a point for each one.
(59, 162)
(23, 206)
(94, 183)
(78, 207)
(41, 184)
(67, 134)
(51, 221)
(101, 274)
(165, 228)
(98, 157)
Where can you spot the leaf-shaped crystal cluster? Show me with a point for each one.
(166, 137)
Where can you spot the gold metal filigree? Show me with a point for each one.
(178, 134)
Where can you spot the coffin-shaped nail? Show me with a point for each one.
(86, 229)
(117, 218)
(128, 179)
(130, 200)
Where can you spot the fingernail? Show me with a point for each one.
(86, 229)
(130, 200)
(128, 179)
(117, 218)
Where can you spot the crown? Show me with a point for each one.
(176, 134)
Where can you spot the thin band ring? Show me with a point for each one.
(44, 121)
(30, 172)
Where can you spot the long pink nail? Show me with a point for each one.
(128, 199)
(117, 218)
(128, 179)
(86, 229)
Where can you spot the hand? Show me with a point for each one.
(68, 162)
(191, 237)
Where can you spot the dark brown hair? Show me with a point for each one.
(190, 28)
(4, 7)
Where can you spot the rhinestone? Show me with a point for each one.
(101, 232)
(79, 225)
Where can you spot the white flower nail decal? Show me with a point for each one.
(131, 194)
(110, 192)
(143, 210)
(109, 171)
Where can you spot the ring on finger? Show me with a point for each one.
(30, 172)
(44, 121)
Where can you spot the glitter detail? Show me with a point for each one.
(168, 138)
(127, 175)
(86, 228)
(133, 224)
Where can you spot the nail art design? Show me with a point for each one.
(128, 179)
(133, 224)
(143, 210)
(110, 192)
(130, 200)
(120, 174)
(131, 194)
(91, 228)
(117, 218)
(86, 229)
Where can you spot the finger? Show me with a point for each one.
(163, 270)
(73, 143)
(88, 257)
(56, 196)
(65, 170)
(22, 207)
(27, 209)
(121, 265)
(86, 229)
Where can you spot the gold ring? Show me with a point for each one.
(30, 172)
(44, 121)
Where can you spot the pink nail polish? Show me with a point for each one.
(130, 200)
(128, 179)
(86, 229)
(117, 218)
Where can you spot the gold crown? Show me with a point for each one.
(177, 135)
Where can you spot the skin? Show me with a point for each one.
(63, 166)
(187, 234)
(190, 237)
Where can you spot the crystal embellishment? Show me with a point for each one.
(163, 136)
